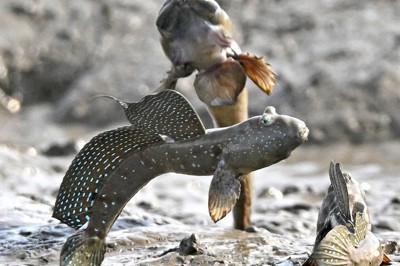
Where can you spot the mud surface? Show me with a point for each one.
(172, 207)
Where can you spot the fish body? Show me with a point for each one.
(115, 165)
(344, 234)
(195, 32)
(197, 35)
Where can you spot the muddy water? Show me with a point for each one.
(172, 207)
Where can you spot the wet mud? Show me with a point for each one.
(173, 207)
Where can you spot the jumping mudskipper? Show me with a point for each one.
(166, 135)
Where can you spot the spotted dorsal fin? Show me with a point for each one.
(166, 113)
(95, 162)
(340, 189)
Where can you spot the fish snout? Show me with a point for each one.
(300, 130)
(303, 133)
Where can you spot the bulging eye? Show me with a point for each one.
(266, 120)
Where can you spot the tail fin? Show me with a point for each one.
(82, 250)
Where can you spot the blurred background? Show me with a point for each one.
(338, 64)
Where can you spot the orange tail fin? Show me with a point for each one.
(258, 71)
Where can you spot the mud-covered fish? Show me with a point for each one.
(197, 35)
(166, 136)
(344, 234)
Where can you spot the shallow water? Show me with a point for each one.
(286, 201)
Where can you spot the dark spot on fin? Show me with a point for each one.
(357, 207)
(221, 84)
(223, 194)
(82, 250)
(340, 189)
(166, 113)
(95, 162)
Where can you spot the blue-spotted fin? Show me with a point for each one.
(197, 35)
(344, 231)
(166, 135)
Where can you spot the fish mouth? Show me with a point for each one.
(303, 134)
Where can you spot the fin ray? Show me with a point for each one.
(258, 71)
(223, 194)
(81, 250)
(334, 248)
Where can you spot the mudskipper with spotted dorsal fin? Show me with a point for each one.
(166, 135)
(197, 35)
(344, 234)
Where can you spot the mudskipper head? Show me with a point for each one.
(264, 140)
(281, 134)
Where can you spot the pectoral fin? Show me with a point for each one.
(334, 248)
(258, 71)
(224, 192)
(221, 84)
(341, 247)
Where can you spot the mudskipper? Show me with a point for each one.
(197, 37)
(166, 135)
(344, 234)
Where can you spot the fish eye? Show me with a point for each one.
(266, 119)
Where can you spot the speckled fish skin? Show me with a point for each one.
(167, 113)
(133, 158)
(91, 168)
(243, 148)
(344, 230)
